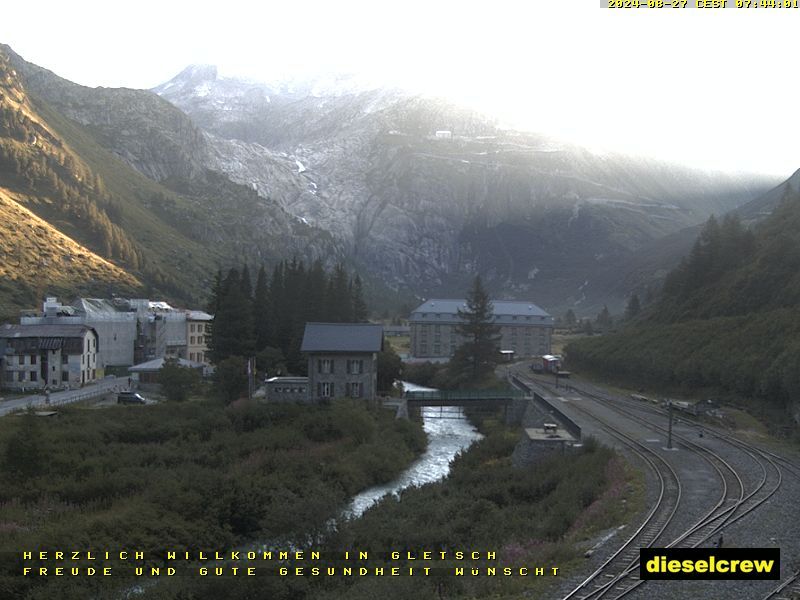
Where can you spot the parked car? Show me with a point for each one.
(131, 398)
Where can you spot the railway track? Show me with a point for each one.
(613, 572)
(734, 503)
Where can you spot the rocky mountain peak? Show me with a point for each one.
(191, 77)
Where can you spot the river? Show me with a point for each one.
(446, 438)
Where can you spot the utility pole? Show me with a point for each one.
(669, 429)
(250, 378)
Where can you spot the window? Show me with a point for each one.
(325, 365)
(21, 360)
(64, 359)
(20, 375)
(355, 389)
(191, 340)
(199, 339)
(437, 348)
(355, 367)
(33, 359)
(33, 376)
(325, 389)
(423, 348)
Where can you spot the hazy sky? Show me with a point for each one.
(714, 88)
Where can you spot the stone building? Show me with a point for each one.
(53, 356)
(342, 359)
(287, 389)
(198, 328)
(342, 363)
(132, 331)
(525, 329)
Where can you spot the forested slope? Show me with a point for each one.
(728, 318)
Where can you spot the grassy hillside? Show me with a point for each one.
(54, 169)
(38, 259)
(119, 172)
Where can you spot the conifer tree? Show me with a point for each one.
(604, 320)
(633, 307)
(260, 313)
(359, 306)
(232, 327)
(477, 356)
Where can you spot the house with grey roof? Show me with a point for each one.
(342, 363)
(146, 374)
(48, 355)
(525, 329)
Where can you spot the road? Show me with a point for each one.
(99, 388)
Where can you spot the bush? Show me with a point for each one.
(177, 382)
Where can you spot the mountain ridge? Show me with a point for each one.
(423, 212)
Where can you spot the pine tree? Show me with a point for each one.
(339, 297)
(604, 320)
(216, 293)
(260, 303)
(246, 283)
(360, 312)
(315, 297)
(477, 356)
(232, 327)
(633, 307)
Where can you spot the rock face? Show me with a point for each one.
(151, 135)
(424, 194)
(161, 142)
(416, 192)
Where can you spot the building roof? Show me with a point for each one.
(342, 337)
(98, 307)
(158, 363)
(44, 331)
(505, 311)
(198, 315)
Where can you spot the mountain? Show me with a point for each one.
(727, 318)
(417, 193)
(644, 271)
(122, 173)
(537, 217)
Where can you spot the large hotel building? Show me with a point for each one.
(524, 327)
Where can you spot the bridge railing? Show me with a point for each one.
(466, 395)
